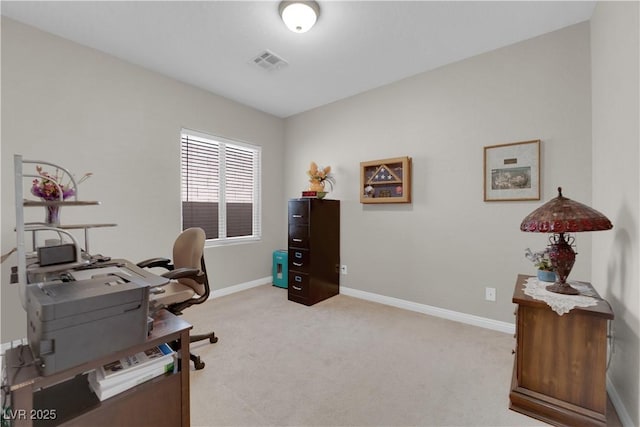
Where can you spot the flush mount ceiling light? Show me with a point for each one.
(299, 16)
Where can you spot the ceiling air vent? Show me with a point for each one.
(269, 61)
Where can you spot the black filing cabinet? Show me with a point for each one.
(314, 250)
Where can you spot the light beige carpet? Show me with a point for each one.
(345, 362)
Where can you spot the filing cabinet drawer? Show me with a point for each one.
(298, 212)
(298, 236)
(298, 284)
(299, 260)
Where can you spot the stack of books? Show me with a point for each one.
(120, 375)
(313, 194)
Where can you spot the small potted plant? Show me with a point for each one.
(542, 262)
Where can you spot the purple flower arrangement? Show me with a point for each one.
(45, 187)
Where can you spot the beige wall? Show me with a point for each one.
(615, 48)
(92, 112)
(448, 245)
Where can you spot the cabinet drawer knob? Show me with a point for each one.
(297, 240)
(297, 216)
(298, 264)
(297, 288)
(298, 255)
(298, 279)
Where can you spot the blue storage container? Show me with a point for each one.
(280, 269)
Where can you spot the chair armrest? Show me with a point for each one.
(156, 262)
(190, 273)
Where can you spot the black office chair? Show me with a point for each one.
(188, 285)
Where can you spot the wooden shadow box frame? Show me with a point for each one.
(386, 180)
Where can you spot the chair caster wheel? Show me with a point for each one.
(213, 339)
(198, 364)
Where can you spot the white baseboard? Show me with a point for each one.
(241, 287)
(470, 319)
(624, 416)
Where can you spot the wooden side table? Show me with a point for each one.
(560, 362)
(64, 398)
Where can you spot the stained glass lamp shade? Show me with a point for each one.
(559, 216)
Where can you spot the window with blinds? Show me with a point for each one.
(220, 187)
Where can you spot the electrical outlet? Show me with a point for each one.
(343, 269)
(490, 294)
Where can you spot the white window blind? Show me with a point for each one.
(220, 187)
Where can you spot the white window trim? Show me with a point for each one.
(257, 189)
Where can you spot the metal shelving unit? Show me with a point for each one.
(23, 269)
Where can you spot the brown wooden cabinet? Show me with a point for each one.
(560, 361)
(314, 250)
(65, 399)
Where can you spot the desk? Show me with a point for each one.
(65, 396)
(559, 371)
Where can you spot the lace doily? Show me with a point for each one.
(560, 303)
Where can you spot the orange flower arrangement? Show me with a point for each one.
(320, 175)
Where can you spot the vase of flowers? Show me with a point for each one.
(50, 189)
(542, 262)
(318, 177)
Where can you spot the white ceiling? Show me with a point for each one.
(355, 45)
